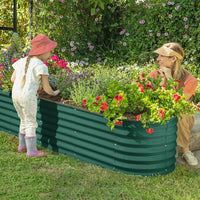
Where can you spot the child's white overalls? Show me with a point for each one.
(25, 99)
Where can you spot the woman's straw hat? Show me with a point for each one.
(41, 44)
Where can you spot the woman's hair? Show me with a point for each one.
(178, 73)
(25, 70)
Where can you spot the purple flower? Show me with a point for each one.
(163, 4)
(124, 43)
(158, 34)
(191, 58)
(177, 7)
(185, 19)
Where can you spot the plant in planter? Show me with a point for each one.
(145, 99)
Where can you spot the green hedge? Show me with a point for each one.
(113, 31)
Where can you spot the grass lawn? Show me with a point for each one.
(58, 177)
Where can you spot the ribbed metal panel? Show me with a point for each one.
(84, 135)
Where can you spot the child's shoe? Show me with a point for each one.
(22, 149)
(36, 153)
(32, 147)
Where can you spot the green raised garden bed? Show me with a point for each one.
(84, 135)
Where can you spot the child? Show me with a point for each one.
(27, 76)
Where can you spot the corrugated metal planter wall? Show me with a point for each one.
(84, 135)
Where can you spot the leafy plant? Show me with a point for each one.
(145, 100)
(13, 53)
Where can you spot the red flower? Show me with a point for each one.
(141, 87)
(138, 117)
(118, 97)
(164, 86)
(96, 103)
(176, 97)
(138, 79)
(98, 98)
(118, 122)
(143, 75)
(161, 113)
(198, 104)
(103, 108)
(198, 109)
(104, 104)
(84, 102)
(118, 103)
(150, 130)
(158, 73)
(149, 86)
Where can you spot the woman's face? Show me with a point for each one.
(166, 61)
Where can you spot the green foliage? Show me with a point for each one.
(151, 103)
(23, 19)
(6, 59)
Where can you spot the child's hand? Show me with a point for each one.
(56, 92)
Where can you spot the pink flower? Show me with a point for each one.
(170, 15)
(166, 34)
(186, 26)
(142, 22)
(158, 34)
(62, 63)
(124, 43)
(150, 34)
(46, 63)
(63, 1)
(118, 103)
(15, 60)
(96, 19)
(177, 7)
(55, 58)
(184, 36)
(185, 19)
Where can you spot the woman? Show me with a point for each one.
(169, 58)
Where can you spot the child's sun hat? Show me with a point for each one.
(41, 44)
